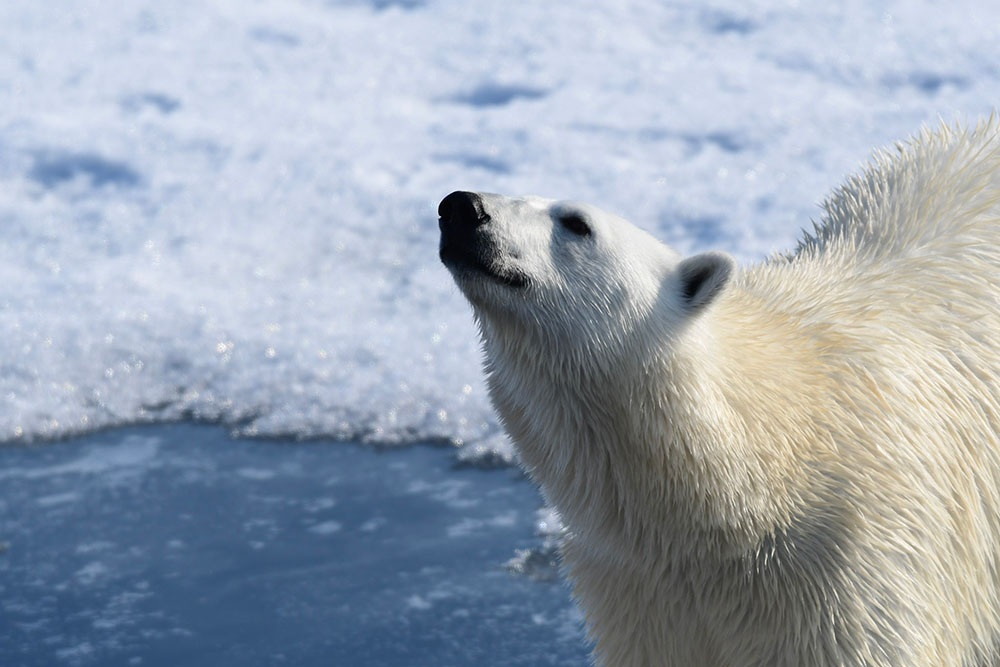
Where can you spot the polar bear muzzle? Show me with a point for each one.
(467, 249)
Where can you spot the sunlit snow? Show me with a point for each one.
(227, 210)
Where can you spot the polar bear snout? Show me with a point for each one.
(460, 215)
(464, 209)
(467, 248)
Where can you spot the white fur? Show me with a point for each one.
(803, 469)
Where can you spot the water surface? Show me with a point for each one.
(175, 545)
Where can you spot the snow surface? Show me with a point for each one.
(226, 210)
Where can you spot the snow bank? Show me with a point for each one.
(226, 210)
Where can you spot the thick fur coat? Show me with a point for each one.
(795, 463)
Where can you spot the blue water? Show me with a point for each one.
(175, 545)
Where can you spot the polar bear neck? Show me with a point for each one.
(609, 437)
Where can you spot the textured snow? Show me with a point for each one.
(226, 210)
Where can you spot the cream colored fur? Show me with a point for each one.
(804, 470)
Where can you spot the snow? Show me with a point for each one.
(226, 210)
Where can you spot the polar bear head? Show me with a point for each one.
(570, 273)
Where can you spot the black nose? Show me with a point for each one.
(462, 209)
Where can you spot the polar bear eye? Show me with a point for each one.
(575, 223)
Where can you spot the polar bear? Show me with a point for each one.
(794, 463)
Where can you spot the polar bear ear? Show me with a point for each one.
(701, 277)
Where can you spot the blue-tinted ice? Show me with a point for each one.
(175, 545)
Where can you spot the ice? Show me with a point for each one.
(469, 526)
(121, 462)
(326, 528)
(418, 603)
(541, 562)
(225, 211)
(223, 568)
